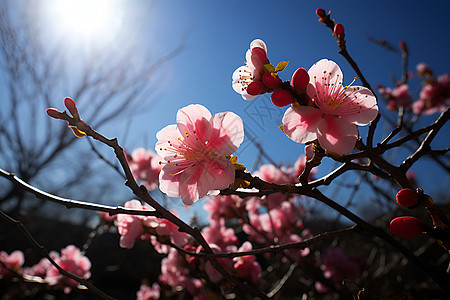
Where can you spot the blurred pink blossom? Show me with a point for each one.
(339, 109)
(217, 233)
(247, 267)
(130, 226)
(148, 293)
(337, 266)
(195, 152)
(72, 261)
(400, 96)
(145, 167)
(174, 273)
(13, 261)
(225, 207)
(39, 269)
(434, 96)
(256, 57)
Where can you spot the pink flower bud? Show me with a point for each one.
(339, 29)
(281, 98)
(54, 113)
(407, 227)
(320, 12)
(407, 198)
(271, 81)
(72, 107)
(300, 79)
(255, 88)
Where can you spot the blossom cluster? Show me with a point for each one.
(322, 110)
(434, 95)
(71, 259)
(264, 220)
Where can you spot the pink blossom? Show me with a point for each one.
(39, 269)
(129, 226)
(148, 293)
(273, 174)
(295, 254)
(300, 164)
(145, 167)
(13, 261)
(174, 273)
(166, 229)
(225, 207)
(400, 96)
(173, 269)
(434, 96)
(72, 261)
(247, 267)
(217, 233)
(256, 57)
(195, 152)
(422, 69)
(213, 274)
(337, 266)
(339, 109)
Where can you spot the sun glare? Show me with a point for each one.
(88, 18)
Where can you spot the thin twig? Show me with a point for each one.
(70, 203)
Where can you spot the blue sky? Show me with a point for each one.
(218, 33)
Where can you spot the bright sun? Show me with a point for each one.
(88, 18)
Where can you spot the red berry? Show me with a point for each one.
(255, 88)
(320, 12)
(300, 79)
(407, 227)
(271, 81)
(281, 98)
(407, 198)
(339, 29)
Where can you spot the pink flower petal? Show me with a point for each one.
(168, 183)
(228, 133)
(193, 121)
(258, 43)
(218, 174)
(337, 134)
(189, 187)
(360, 106)
(316, 72)
(167, 136)
(300, 123)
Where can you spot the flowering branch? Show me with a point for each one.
(276, 248)
(79, 125)
(45, 254)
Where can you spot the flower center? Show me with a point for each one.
(331, 95)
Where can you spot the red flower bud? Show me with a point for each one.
(300, 79)
(407, 198)
(281, 98)
(255, 88)
(72, 107)
(54, 113)
(320, 12)
(271, 81)
(339, 29)
(403, 46)
(407, 227)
